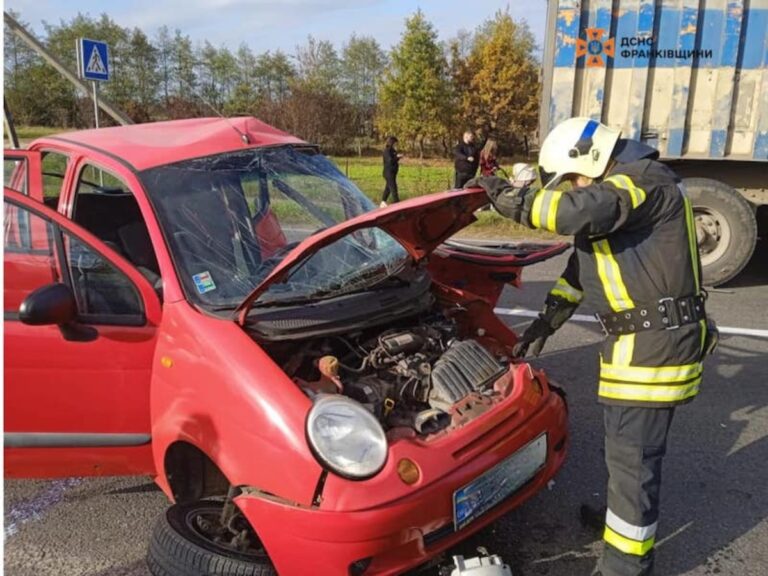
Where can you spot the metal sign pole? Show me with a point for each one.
(95, 103)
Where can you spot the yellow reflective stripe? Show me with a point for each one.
(566, 291)
(649, 374)
(703, 327)
(692, 241)
(544, 209)
(623, 349)
(631, 531)
(610, 276)
(627, 545)
(644, 393)
(636, 194)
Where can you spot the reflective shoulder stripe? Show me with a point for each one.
(610, 277)
(645, 393)
(650, 374)
(623, 350)
(692, 241)
(627, 545)
(544, 209)
(566, 291)
(636, 194)
(624, 528)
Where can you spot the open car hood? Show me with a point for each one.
(419, 224)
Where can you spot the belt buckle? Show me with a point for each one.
(667, 307)
(602, 324)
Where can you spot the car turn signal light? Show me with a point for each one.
(408, 471)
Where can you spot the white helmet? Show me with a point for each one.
(576, 146)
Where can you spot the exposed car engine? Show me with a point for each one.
(420, 377)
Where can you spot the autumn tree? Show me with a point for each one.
(503, 81)
(415, 92)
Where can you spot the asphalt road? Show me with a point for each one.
(715, 501)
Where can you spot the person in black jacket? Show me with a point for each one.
(465, 159)
(636, 262)
(391, 167)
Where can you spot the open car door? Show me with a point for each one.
(80, 331)
(484, 268)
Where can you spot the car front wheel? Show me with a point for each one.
(198, 539)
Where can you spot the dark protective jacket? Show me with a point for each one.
(461, 155)
(635, 244)
(391, 161)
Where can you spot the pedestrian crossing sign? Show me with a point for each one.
(94, 59)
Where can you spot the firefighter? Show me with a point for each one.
(636, 262)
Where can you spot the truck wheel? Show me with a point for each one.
(189, 540)
(726, 228)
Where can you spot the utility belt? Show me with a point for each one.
(666, 314)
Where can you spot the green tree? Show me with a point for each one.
(318, 64)
(415, 92)
(141, 67)
(274, 74)
(362, 64)
(245, 95)
(164, 44)
(502, 95)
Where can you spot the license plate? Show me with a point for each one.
(484, 492)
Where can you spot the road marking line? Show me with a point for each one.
(526, 313)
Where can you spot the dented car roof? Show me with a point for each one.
(144, 146)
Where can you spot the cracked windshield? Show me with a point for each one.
(230, 219)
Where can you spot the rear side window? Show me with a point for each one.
(54, 166)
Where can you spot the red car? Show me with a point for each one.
(319, 386)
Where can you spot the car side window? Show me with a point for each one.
(54, 167)
(15, 174)
(105, 206)
(28, 259)
(103, 293)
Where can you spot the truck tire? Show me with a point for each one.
(726, 228)
(179, 547)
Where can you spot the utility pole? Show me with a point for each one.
(43, 52)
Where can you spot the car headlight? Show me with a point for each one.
(346, 438)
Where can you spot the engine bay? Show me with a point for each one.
(418, 377)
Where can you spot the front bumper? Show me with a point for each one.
(401, 533)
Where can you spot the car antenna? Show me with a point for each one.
(243, 135)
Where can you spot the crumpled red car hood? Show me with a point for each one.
(419, 224)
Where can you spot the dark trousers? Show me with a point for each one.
(635, 444)
(390, 188)
(462, 178)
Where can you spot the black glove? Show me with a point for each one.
(509, 201)
(536, 334)
(556, 312)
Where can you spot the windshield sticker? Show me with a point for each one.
(204, 282)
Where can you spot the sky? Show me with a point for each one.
(282, 24)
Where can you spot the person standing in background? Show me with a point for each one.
(391, 167)
(465, 160)
(488, 161)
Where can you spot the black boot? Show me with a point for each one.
(592, 518)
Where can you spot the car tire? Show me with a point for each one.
(726, 228)
(177, 548)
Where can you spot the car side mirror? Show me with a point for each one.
(55, 304)
(50, 304)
